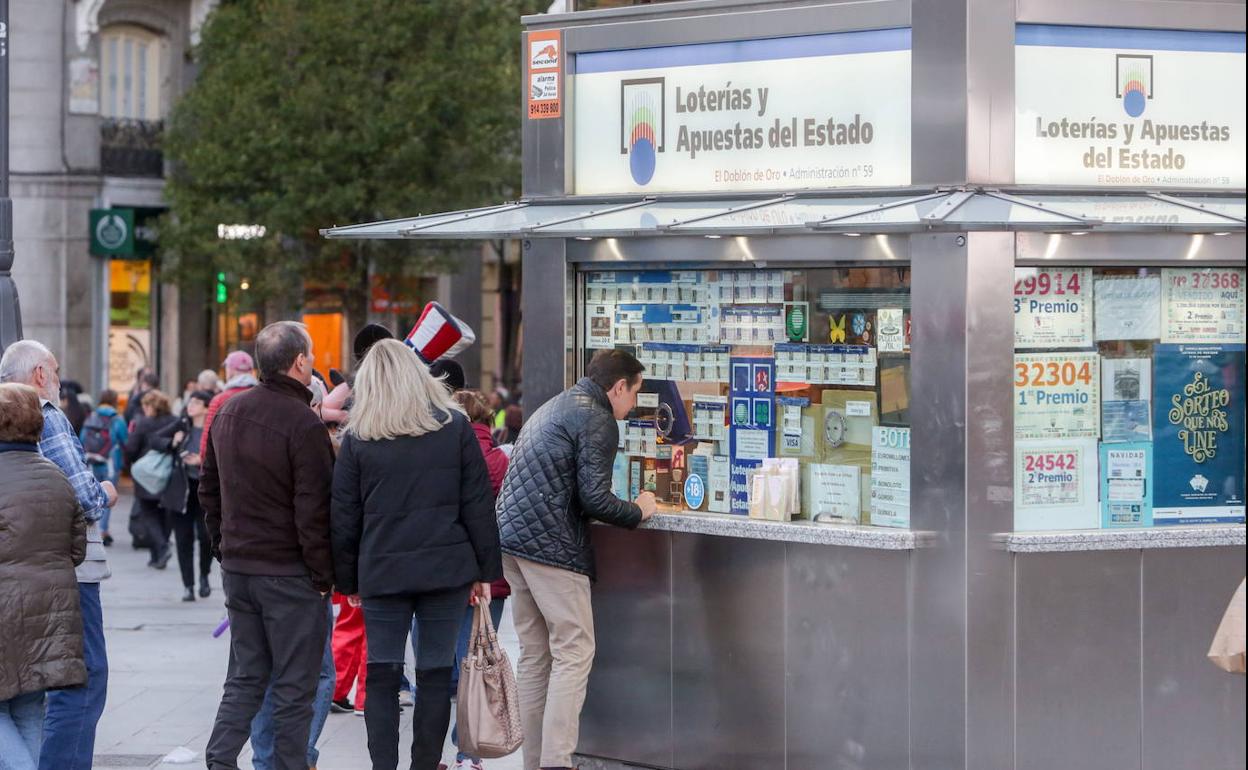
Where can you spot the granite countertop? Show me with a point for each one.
(802, 531)
(1194, 536)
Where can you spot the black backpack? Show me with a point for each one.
(97, 438)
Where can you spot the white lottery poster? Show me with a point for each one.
(1202, 305)
(1128, 308)
(1055, 484)
(890, 477)
(835, 492)
(1057, 395)
(1052, 307)
(599, 319)
(890, 336)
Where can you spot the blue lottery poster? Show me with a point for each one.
(752, 400)
(1127, 484)
(1198, 434)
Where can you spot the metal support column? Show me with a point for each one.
(10, 310)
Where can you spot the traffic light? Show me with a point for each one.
(223, 293)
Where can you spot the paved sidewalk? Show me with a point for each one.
(167, 671)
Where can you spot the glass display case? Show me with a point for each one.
(799, 376)
(1129, 397)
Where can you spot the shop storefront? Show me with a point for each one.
(125, 238)
(943, 316)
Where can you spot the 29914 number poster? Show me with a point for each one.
(1055, 484)
(1052, 308)
(1057, 395)
(1198, 434)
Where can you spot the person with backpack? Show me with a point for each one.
(151, 516)
(103, 439)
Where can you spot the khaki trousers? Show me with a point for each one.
(555, 622)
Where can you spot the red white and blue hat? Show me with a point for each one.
(438, 334)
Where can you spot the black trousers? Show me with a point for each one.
(277, 635)
(187, 529)
(154, 524)
(387, 621)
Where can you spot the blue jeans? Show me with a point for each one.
(461, 650)
(262, 725)
(21, 723)
(73, 713)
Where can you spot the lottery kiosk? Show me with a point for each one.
(942, 312)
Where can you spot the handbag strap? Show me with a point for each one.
(483, 630)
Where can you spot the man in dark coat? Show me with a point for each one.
(559, 479)
(265, 489)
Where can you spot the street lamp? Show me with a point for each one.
(10, 311)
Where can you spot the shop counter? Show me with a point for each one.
(1124, 539)
(800, 531)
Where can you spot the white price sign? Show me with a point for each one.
(1202, 305)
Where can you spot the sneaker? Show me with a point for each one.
(341, 706)
(163, 561)
(405, 699)
(188, 595)
(469, 764)
(359, 712)
(107, 539)
(205, 590)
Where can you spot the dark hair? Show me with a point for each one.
(151, 380)
(108, 397)
(451, 371)
(365, 338)
(202, 396)
(610, 366)
(278, 345)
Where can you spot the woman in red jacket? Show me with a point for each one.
(482, 418)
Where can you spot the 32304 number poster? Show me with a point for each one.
(1057, 395)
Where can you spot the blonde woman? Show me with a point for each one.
(414, 535)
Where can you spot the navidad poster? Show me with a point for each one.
(1198, 434)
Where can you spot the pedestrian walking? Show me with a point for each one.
(71, 405)
(103, 438)
(144, 380)
(265, 488)
(476, 407)
(153, 519)
(181, 497)
(414, 536)
(45, 537)
(560, 479)
(239, 377)
(72, 714)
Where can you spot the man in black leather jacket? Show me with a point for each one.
(559, 479)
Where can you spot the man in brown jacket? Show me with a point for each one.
(265, 490)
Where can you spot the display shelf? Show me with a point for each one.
(1194, 536)
(725, 525)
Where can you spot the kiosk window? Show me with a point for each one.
(801, 377)
(1128, 397)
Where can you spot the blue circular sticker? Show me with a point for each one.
(695, 491)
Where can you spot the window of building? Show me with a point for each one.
(1128, 397)
(778, 393)
(131, 73)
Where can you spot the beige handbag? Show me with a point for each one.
(1227, 650)
(487, 705)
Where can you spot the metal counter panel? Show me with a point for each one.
(630, 689)
(846, 647)
(727, 652)
(1193, 711)
(1078, 661)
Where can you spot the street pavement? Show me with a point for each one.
(166, 671)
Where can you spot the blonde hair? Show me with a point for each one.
(395, 395)
(157, 401)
